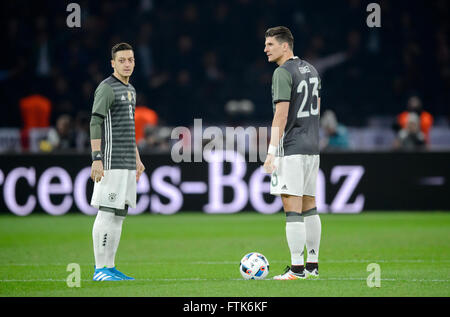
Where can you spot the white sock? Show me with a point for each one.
(103, 237)
(295, 234)
(313, 228)
(116, 230)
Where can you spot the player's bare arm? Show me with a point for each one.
(278, 126)
(140, 168)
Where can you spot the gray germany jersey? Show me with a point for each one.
(116, 103)
(298, 82)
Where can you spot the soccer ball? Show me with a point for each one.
(254, 266)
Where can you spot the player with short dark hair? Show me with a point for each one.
(116, 165)
(282, 34)
(293, 154)
(120, 47)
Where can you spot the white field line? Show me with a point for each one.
(229, 262)
(234, 279)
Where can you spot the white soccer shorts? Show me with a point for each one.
(116, 189)
(295, 175)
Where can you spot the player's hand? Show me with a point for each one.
(97, 171)
(140, 168)
(269, 164)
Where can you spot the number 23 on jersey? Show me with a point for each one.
(303, 88)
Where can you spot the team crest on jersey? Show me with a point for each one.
(112, 197)
(129, 96)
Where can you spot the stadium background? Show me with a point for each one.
(204, 59)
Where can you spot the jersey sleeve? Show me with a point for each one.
(103, 99)
(282, 85)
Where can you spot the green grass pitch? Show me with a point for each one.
(193, 254)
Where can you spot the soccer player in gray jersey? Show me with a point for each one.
(293, 154)
(116, 165)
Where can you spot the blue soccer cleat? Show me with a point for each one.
(105, 274)
(120, 275)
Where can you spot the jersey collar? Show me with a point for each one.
(120, 81)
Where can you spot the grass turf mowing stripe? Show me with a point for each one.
(236, 279)
(193, 254)
(233, 262)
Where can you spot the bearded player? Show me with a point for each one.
(116, 165)
(293, 154)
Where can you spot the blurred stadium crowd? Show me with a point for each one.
(205, 59)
